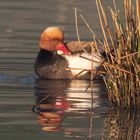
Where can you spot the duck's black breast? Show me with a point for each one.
(49, 65)
(44, 57)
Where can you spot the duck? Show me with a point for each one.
(59, 60)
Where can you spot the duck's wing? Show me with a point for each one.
(76, 46)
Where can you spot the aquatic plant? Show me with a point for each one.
(122, 49)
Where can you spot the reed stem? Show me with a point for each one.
(123, 63)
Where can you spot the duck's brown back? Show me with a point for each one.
(76, 46)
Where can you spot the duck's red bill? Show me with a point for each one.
(63, 48)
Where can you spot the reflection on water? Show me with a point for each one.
(84, 115)
(122, 124)
(71, 109)
(70, 114)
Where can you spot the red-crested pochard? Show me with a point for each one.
(55, 57)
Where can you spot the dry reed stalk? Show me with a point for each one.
(138, 16)
(88, 70)
(95, 39)
(92, 71)
(108, 29)
(106, 64)
(76, 25)
(106, 46)
(77, 29)
(138, 24)
(122, 64)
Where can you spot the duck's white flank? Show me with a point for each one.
(75, 61)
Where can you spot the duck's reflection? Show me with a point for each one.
(82, 118)
(49, 117)
(50, 110)
(73, 99)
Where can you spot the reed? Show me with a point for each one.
(122, 49)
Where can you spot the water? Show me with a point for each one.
(70, 114)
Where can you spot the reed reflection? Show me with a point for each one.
(122, 124)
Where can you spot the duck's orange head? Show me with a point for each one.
(52, 39)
